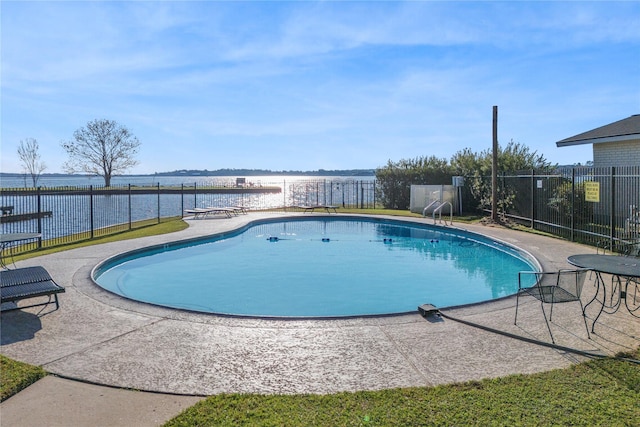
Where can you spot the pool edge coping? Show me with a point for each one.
(178, 313)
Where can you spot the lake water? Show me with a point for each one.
(153, 180)
(81, 212)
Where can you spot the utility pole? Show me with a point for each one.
(494, 168)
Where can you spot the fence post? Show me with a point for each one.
(573, 204)
(533, 199)
(129, 207)
(195, 195)
(158, 202)
(331, 192)
(91, 208)
(612, 208)
(181, 200)
(374, 194)
(324, 191)
(501, 193)
(39, 195)
(361, 195)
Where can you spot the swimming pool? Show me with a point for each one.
(310, 267)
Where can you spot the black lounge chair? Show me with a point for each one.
(242, 209)
(328, 208)
(28, 282)
(203, 213)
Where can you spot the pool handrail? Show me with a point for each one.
(424, 211)
(439, 211)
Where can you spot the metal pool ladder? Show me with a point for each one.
(438, 210)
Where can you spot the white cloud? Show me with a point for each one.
(385, 79)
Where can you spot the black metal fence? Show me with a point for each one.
(584, 204)
(71, 214)
(596, 206)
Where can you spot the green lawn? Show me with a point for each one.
(603, 392)
(15, 376)
(143, 229)
(597, 393)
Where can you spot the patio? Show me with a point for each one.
(100, 338)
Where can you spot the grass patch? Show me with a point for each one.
(15, 376)
(169, 225)
(599, 392)
(391, 212)
(407, 213)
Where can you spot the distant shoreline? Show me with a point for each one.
(219, 172)
(10, 180)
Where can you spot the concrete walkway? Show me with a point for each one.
(100, 338)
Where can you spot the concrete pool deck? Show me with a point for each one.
(99, 338)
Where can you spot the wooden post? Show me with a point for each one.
(494, 168)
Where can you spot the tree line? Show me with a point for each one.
(266, 172)
(394, 180)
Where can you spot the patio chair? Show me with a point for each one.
(552, 287)
(632, 224)
(632, 287)
(632, 249)
(632, 296)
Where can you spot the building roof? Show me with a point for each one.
(622, 130)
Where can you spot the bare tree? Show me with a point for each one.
(29, 154)
(102, 148)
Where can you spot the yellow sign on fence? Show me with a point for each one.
(592, 191)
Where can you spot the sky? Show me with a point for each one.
(311, 85)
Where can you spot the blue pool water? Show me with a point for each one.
(319, 268)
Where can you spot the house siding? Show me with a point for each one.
(626, 153)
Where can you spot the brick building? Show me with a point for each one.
(615, 144)
(616, 161)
